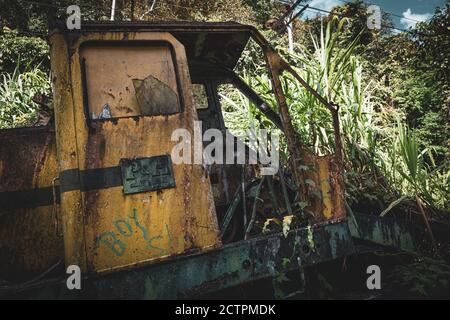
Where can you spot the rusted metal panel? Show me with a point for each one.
(220, 43)
(325, 188)
(123, 230)
(67, 155)
(133, 80)
(318, 178)
(402, 233)
(103, 76)
(29, 240)
(104, 227)
(329, 205)
(234, 264)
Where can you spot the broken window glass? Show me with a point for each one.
(130, 80)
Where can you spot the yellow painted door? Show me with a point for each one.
(131, 92)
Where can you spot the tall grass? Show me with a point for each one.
(383, 160)
(17, 90)
(412, 174)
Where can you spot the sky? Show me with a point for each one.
(408, 11)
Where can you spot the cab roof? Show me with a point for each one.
(213, 43)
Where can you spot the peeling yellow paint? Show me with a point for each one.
(110, 230)
(325, 190)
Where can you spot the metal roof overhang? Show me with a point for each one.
(215, 43)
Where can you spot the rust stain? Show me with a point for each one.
(29, 243)
(326, 200)
(212, 285)
(21, 152)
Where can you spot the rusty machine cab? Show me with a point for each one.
(119, 96)
(111, 188)
(121, 89)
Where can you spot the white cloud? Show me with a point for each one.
(320, 4)
(410, 19)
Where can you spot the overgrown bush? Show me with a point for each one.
(17, 91)
(23, 51)
(384, 159)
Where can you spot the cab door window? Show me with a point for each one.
(129, 80)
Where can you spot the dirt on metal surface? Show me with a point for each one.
(29, 240)
(123, 230)
(319, 178)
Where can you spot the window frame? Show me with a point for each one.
(127, 43)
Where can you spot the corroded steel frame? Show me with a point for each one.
(329, 169)
(397, 232)
(221, 267)
(195, 275)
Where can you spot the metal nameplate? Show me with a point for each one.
(147, 174)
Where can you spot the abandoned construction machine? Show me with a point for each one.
(97, 187)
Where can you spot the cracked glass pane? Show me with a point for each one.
(130, 80)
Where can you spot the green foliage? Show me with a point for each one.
(426, 278)
(409, 151)
(264, 10)
(22, 51)
(433, 41)
(415, 173)
(384, 159)
(17, 90)
(422, 99)
(413, 78)
(433, 131)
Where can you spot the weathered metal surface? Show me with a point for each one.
(384, 231)
(293, 143)
(71, 202)
(318, 178)
(29, 240)
(234, 264)
(326, 191)
(112, 230)
(133, 79)
(407, 234)
(102, 83)
(147, 174)
(220, 43)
